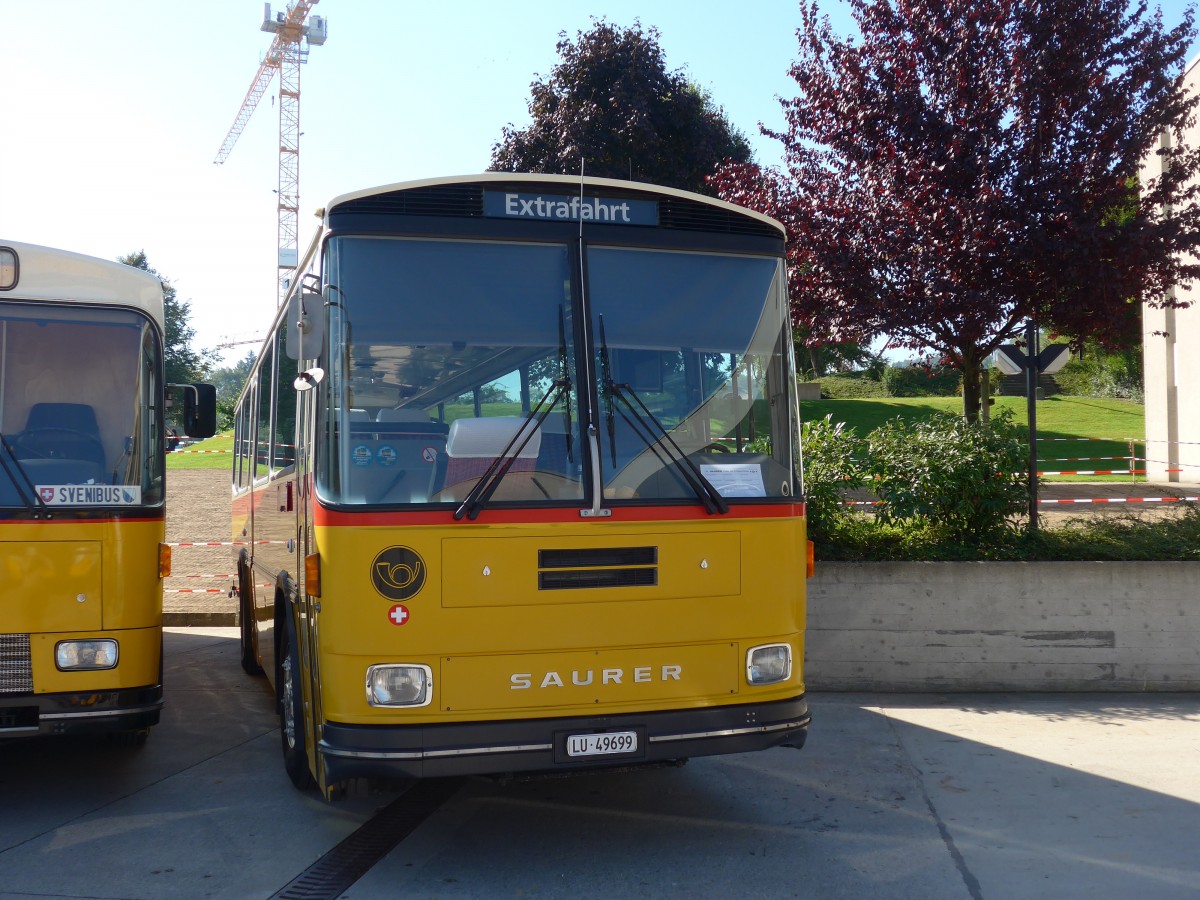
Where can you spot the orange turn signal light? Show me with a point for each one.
(811, 559)
(312, 574)
(164, 560)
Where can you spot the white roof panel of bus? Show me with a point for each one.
(45, 273)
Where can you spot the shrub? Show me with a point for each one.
(1105, 538)
(960, 479)
(921, 381)
(831, 467)
(852, 386)
(1116, 376)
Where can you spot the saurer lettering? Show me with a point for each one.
(521, 681)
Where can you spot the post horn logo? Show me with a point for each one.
(398, 573)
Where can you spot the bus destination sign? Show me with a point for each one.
(561, 208)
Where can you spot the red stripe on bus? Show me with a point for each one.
(325, 516)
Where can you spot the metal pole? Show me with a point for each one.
(1031, 380)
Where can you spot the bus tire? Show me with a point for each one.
(250, 664)
(291, 710)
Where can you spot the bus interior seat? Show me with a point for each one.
(472, 445)
(399, 456)
(556, 455)
(403, 414)
(63, 431)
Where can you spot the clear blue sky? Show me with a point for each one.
(113, 112)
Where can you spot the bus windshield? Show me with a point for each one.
(692, 358)
(80, 423)
(442, 349)
(454, 365)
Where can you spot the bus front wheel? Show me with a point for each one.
(291, 712)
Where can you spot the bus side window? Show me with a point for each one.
(262, 450)
(283, 453)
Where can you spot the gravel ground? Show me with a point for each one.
(198, 511)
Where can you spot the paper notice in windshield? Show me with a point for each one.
(90, 494)
(735, 479)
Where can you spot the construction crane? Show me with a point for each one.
(294, 33)
(228, 342)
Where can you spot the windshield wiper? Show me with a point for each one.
(486, 485)
(482, 492)
(9, 461)
(701, 486)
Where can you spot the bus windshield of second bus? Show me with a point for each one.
(79, 421)
(688, 386)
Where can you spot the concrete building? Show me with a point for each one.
(1171, 358)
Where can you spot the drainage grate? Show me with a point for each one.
(16, 671)
(334, 872)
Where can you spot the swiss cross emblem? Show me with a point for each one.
(398, 614)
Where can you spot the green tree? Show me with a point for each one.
(183, 364)
(611, 105)
(229, 381)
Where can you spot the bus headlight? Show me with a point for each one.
(769, 664)
(78, 656)
(399, 685)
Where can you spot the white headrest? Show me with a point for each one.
(487, 438)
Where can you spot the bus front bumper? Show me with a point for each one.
(92, 712)
(540, 745)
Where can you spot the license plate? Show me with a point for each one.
(602, 744)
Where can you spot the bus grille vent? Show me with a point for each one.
(675, 212)
(436, 200)
(601, 567)
(16, 670)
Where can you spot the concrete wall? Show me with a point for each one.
(1090, 626)
(1171, 359)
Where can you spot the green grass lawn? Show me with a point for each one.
(1068, 427)
(206, 460)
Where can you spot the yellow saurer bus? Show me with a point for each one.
(81, 493)
(517, 484)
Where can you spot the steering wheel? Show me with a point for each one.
(719, 448)
(23, 441)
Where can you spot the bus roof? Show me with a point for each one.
(567, 181)
(44, 273)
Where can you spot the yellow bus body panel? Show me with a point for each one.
(137, 664)
(84, 579)
(51, 585)
(498, 647)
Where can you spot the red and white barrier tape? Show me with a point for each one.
(1072, 500)
(1094, 472)
(220, 543)
(1125, 500)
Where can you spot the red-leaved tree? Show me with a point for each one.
(967, 164)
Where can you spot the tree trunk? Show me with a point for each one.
(971, 390)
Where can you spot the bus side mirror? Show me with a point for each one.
(199, 410)
(306, 325)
